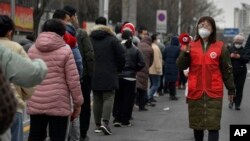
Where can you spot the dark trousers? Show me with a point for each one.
(172, 88)
(182, 78)
(85, 109)
(239, 81)
(213, 135)
(124, 101)
(57, 127)
(141, 98)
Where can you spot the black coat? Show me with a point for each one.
(134, 61)
(109, 58)
(239, 65)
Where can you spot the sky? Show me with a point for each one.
(228, 15)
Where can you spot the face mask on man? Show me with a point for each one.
(238, 46)
(204, 33)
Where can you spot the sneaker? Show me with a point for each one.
(230, 105)
(173, 98)
(127, 125)
(152, 100)
(237, 108)
(106, 130)
(97, 129)
(151, 104)
(117, 124)
(156, 95)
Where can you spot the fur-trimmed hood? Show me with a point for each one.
(101, 32)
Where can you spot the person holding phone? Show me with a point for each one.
(239, 60)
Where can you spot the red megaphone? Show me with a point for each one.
(184, 39)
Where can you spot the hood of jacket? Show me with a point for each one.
(100, 32)
(175, 41)
(71, 29)
(147, 40)
(49, 41)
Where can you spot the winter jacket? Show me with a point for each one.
(239, 65)
(134, 61)
(109, 58)
(170, 56)
(21, 93)
(87, 52)
(28, 74)
(156, 67)
(52, 96)
(142, 76)
(77, 55)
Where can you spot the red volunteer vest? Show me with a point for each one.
(204, 72)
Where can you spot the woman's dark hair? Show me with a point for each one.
(101, 21)
(154, 37)
(54, 25)
(212, 37)
(6, 25)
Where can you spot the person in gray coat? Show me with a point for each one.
(28, 74)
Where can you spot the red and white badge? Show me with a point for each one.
(213, 55)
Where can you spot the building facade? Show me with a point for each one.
(242, 18)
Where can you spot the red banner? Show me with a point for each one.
(23, 16)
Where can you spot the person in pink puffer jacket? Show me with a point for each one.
(50, 103)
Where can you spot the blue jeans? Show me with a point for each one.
(17, 128)
(74, 132)
(155, 84)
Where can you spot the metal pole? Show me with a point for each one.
(106, 9)
(101, 7)
(12, 12)
(179, 18)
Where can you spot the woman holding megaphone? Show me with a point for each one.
(209, 67)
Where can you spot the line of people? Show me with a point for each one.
(116, 67)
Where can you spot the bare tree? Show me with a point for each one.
(88, 10)
(115, 11)
(39, 8)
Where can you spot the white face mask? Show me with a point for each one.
(204, 33)
(158, 41)
(237, 46)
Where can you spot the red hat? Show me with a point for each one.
(128, 26)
